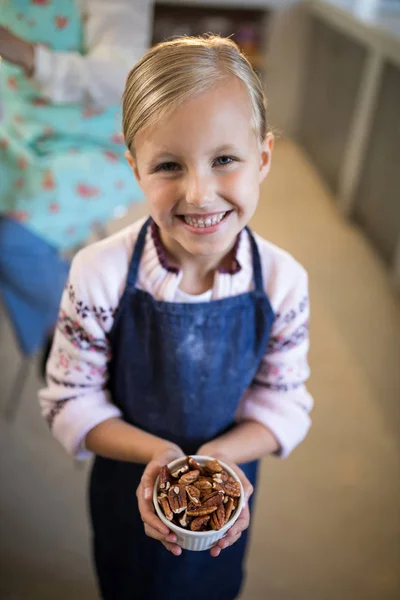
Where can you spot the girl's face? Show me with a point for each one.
(200, 171)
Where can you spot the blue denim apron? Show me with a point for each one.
(178, 370)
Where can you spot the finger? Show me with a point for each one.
(156, 535)
(148, 479)
(241, 524)
(226, 542)
(247, 486)
(148, 515)
(215, 551)
(223, 544)
(149, 518)
(145, 492)
(248, 491)
(174, 548)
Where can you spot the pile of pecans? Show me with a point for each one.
(198, 497)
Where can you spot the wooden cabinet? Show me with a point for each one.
(333, 72)
(377, 202)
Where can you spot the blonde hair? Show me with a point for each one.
(174, 71)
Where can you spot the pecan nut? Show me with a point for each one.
(213, 499)
(184, 520)
(199, 523)
(229, 506)
(193, 464)
(203, 484)
(231, 489)
(193, 494)
(177, 498)
(201, 511)
(220, 477)
(213, 466)
(217, 519)
(163, 500)
(179, 472)
(198, 497)
(165, 478)
(190, 477)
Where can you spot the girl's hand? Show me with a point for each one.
(153, 526)
(16, 50)
(243, 521)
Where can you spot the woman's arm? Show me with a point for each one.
(17, 51)
(116, 36)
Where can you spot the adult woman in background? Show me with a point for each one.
(63, 70)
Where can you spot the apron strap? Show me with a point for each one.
(257, 269)
(137, 255)
(139, 246)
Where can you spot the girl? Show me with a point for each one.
(185, 333)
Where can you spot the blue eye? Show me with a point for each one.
(224, 160)
(167, 167)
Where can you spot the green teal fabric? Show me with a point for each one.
(62, 168)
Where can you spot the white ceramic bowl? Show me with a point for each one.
(198, 540)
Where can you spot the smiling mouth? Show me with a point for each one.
(204, 221)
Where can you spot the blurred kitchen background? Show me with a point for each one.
(328, 520)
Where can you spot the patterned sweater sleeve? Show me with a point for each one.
(75, 399)
(278, 397)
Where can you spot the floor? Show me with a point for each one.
(327, 521)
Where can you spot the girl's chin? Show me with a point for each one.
(208, 248)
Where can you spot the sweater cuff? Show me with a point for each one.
(76, 419)
(289, 425)
(43, 65)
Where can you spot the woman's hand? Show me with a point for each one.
(152, 525)
(243, 521)
(16, 50)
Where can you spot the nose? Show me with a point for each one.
(198, 190)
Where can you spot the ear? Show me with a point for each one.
(266, 156)
(133, 165)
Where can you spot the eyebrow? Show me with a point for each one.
(169, 155)
(165, 155)
(225, 148)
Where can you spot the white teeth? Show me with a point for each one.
(203, 223)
